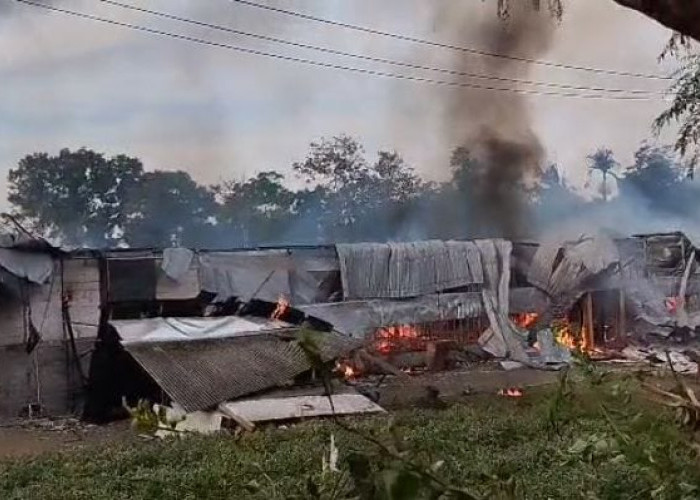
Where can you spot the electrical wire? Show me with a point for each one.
(479, 76)
(311, 62)
(432, 43)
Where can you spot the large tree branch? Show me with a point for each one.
(682, 16)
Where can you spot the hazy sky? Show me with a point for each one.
(219, 114)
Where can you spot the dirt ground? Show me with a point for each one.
(31, 438)
(458, 386)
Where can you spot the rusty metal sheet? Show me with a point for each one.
(201, 374)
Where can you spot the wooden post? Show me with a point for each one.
(622, 320)
(588, 334)
(437, 354)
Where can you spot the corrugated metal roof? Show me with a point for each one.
(403, 270)
(359, 318)
(203, 373)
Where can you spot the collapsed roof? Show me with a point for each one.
(201, 362)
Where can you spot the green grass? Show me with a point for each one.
(481, 441)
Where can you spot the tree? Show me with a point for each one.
(459, 197)
(659, 179)
(682, 16)
(257, 210)
(349, 198)
(169, 209)
(338, 169)
(396, 200)
(76, 197)
(554, 201)
(604, 162)
(685, 108)
(337, 163)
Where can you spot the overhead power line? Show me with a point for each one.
(363, 57)
(311, 62)
(432, 43)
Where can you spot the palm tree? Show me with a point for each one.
(604, 161)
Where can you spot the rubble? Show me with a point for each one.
(659, 356)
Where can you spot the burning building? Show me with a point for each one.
(204, 328)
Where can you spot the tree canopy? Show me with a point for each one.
(681, 16)
(82, 198)
(78, 197)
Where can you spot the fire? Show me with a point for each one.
(389, 336)
(347, 371)
(673, 304)
(511, 392)
(281, 308)
(525, 320)
(564, 335)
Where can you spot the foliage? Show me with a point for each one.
(603, 161)
(685, 107)
(77, 197)
(492, 445)
(82, 198)
(661, 180)
(351, 196)
(168, 209)
(254, 210)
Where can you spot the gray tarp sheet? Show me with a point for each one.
(34, 266)
(576, 261)
(260, 275)
(403, 270)
(503, 338)
(562, 267)
(314, 276)
(303, 276)
(193, 328)
(176, 262)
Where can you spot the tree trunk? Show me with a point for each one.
(605, 186)
(682, 16)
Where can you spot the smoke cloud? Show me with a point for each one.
(12, 7)
(497, 129)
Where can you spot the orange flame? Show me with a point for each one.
(281, 308)
(511, 392)
(525, 320)
(565, 336)
(389, 336)
(673, 304)
(347, 371)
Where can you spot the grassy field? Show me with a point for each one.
(548, 447)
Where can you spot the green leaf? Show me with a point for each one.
(579, 447)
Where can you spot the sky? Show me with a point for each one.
(222, 115)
